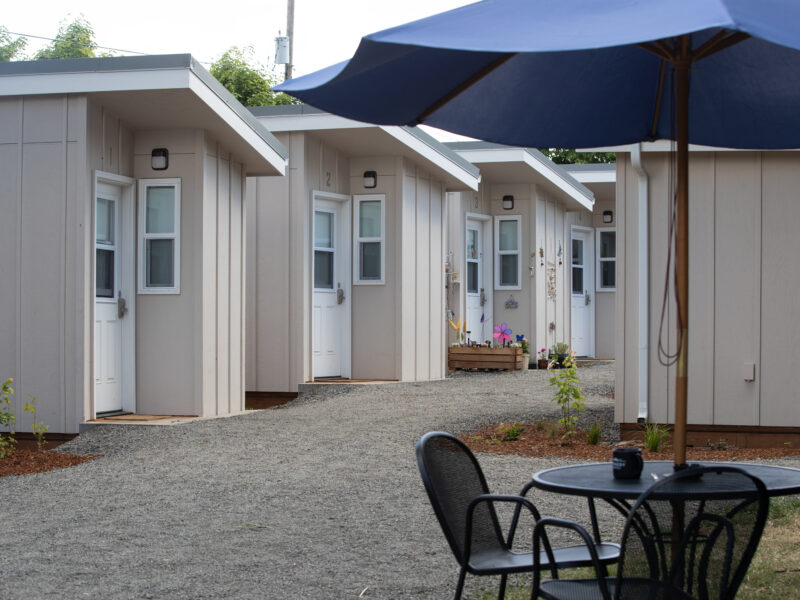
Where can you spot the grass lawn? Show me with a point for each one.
(774, 572)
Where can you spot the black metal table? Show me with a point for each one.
(596, 480)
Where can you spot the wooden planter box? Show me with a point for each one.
(481, 357)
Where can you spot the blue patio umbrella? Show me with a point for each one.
(584, 73)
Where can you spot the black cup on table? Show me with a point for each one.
(627, 463)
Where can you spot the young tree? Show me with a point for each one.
(568, 156)
(74, 40)
(10, 48)
(246, 79)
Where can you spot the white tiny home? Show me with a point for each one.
(345, 274)
(121, 237)
(744, 318)
(510, 245)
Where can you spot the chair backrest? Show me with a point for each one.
(453, 478)
(696, 530)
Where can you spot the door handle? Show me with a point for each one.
(122, 305)
(588, 297)
(339, 293)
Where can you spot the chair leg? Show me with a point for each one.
(502, 593)
(460, 587)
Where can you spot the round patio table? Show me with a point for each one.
(596, 480)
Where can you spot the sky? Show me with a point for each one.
(326, 31)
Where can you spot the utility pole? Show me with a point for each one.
(290, 35)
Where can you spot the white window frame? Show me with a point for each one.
(331, 249)
(598, 261)
(357, 239)
(143, 236)
(498, 253)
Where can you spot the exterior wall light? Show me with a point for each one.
(370, 179)
(159, 159)
(608, 216)
(508, 202)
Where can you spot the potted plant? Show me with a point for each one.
(542, 362)
(558, 352)
(526, 350)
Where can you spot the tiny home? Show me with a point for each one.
(121, 237)
(510, 246)
(744, 321)
(345, 273)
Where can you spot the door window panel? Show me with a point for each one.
(472, 277)
(323, 229)
(104, 273)
(323, 270)
(105, 219)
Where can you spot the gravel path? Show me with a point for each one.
(317, 499)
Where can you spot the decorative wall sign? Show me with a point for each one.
(552, 291)
(511, 303)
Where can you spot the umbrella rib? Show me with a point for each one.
(713, 45)
(657, 111)
(464, 86)
(658, 50)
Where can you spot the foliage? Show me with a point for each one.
(653, 435)
(38, 429)
(7, 418)
(524, 344)
(73, 40)
(565, 156)
(594, 434)
(511, 432)
(569, 395)
(559, 348)
(247, 79)
(10, 48)
(543, 353)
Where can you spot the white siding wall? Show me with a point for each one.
(743, 217)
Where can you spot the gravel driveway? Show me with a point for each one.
(317, 499)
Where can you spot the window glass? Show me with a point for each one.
(472, 277)
(472, 244)
(160, 212)
(508, 235)
(104, 273)
(323, 229)
(323, 270)
(577, 252)
(508, 269)
(608, 244)
(577, 280)
(369, 261)
(369, 219)
(607, 274)
(160, 268)
(104, 220)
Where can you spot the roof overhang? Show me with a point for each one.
(669, 146)
(358, 139)
(505, 164)
(154, 92)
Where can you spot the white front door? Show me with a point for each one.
(107, 324)
(476, 294)
(331, 279)
(582, 293)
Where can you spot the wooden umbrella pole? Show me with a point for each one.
(682, 65)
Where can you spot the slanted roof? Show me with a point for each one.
(509, 164)
(154, 92)
(601, 178)
(364, 139)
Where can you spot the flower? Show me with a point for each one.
(502, 333)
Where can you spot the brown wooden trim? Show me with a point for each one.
(271, 395)
(262, 400)
(745, 436)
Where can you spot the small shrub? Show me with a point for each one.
(654, 435)
(511, 432)
(38, 429)
(594, 434)
(568, 396)
(7, 418)
(539, 425)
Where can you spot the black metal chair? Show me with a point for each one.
(466, 511)
(678, 543)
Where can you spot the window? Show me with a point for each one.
(606, 259)
(159, 236)
(507, 251)
(473, 257)
(370, 239)
(324, 253)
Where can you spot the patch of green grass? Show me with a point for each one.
(594, 434)
(511, 432)
(654, 435)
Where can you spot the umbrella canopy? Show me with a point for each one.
(571, 73)
(582, 73)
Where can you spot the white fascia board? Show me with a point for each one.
(608, 176)
(432, 155)
(309, 122)
(237, 124)
(89, 82)
(505, 155)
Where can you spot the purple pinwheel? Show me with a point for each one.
(502, 333)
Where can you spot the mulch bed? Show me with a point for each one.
(27, 460)
(537, 440)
